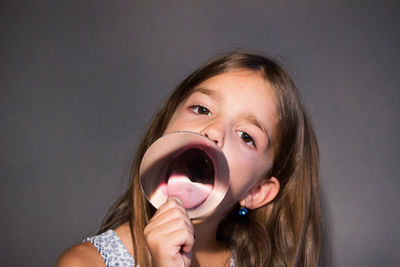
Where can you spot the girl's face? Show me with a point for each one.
(236, 110)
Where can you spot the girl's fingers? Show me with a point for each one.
(169, 227)
(171, 250)
(172, 202)
(170, 209)
(161, 219)
(170, 235)
(186, 239)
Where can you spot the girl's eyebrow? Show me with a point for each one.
(211, 93)
(251, 118)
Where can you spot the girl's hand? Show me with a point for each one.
(170, 235)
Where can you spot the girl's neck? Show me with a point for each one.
(205, 235)
(207, 251)
(206, 232)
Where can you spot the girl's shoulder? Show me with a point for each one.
(81, 255)
(112, 248)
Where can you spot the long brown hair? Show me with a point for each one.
(287, 231)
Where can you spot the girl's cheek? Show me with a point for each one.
(242, 167)
(244, 155)
(182, 121)
(177, 124)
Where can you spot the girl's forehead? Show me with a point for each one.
(240, 73)
(237, 83)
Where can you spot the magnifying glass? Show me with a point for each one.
(187, 165)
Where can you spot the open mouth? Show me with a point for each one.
(189, 166)
(190, 176)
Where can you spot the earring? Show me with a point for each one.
(242, 211)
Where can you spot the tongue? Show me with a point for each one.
(192, 194)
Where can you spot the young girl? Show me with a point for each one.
(249, 107)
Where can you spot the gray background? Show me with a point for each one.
(81, 79)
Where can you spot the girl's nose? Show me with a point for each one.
(215, 132)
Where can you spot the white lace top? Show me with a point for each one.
(114, 252)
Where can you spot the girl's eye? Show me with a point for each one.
(247, 138)
(200, 110)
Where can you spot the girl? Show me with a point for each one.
(249, 107)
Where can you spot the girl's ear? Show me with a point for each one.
(261, 194)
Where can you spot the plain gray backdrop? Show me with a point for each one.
(81, 79)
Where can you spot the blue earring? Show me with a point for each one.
(242, 211)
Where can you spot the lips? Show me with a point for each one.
(190, 177)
